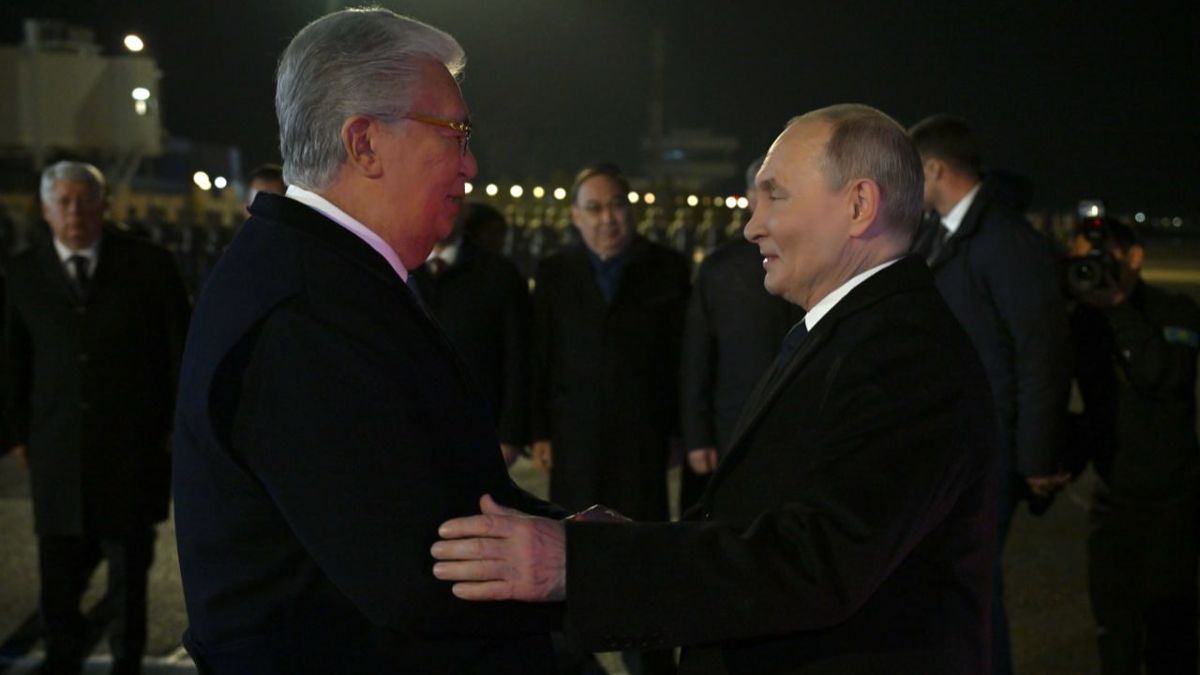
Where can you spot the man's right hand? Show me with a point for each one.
(22, 454)
(702, 460)
(542, 455)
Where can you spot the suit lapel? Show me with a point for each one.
(966, 229)
(904, 274)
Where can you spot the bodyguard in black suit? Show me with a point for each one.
(482, 302)
(325, 425)
(999, 277)
(608, 319)
(850, 528)
(94, 328)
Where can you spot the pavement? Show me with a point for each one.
(1052, 628)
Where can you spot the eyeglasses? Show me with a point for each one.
(463, 128)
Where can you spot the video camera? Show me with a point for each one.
(1097, 268)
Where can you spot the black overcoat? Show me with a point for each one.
(849, 530)
(325, 429)
(606, 377)
(90, 383)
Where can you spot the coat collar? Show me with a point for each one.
(906, 274)
(969, 226)
(290, 213)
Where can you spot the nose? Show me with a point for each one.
(470, 167)
(754, 230)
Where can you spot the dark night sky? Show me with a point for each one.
(1087, 100)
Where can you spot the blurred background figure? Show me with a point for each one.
(485, 226)
(1136, 347)
(94, 327)
(264, 178)
(732, 333)
(608, 319)
(999, 277)
(482, 302)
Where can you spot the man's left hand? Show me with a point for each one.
(503, 554)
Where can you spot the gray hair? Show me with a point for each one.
(353, 62)
(80, 172)
(866, 143)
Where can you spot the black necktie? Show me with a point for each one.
(791, 343)
(80, 279)
(939, 243)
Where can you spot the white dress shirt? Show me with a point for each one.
(952, 220)
(827, 303)
(327, 209)
(92, 254)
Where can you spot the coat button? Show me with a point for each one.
(83, 358)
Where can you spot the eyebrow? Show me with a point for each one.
(768, 185)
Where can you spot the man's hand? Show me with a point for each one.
(503, 554)
(542, 455)
(510, 453)
(1044, 486)
(21, 452)
(702, 460)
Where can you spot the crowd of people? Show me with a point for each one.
(861, 391)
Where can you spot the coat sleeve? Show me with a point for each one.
(1020, 277)
(893, 463)
(359, 478)
(541, 355)
(697, 364)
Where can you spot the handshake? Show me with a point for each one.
(506, 554)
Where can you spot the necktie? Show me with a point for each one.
(939, 243)
(80, 279)
(791, 343)
(416, 293)
(436, 267)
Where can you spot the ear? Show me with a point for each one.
(934, 168)
(360, 134)
(1135, 257)
(862, 203)
(576, 212)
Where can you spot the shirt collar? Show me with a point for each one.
(65, 254)
(952, 220)
(828, 302)
(449, 252)
(332, 212)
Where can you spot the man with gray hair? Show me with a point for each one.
(849, 528)
(93, 334)
(325, 425)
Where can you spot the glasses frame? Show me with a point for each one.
(463, 128)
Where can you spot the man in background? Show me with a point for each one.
(94, 329)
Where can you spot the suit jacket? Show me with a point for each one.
(606, 377)
(482, 303)
(733, 331)
(325, 429)
(999, 277)
(849, 530)
(90, 383)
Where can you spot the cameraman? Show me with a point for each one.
(1136, 351)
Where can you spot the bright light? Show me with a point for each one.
(491, 190)
(140, 107)
(693, 201)
(1093, 211)
(560, 194)
(219, 182)
(134, 43)
(140, 94)
(730, 202)
(467, 187)
(539, 192)
(516, 191)
(649, 198)
(633, 197)
(202, 180)
(1139, 217)
(743, 203)
(1177, 221)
